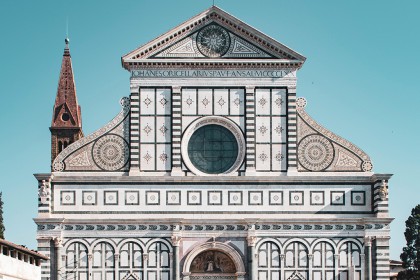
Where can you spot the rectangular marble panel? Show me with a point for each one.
(263, 157)
(205, 101)
(189, 102)
(221, 102)
(147, 101)
(237, 102)
(163, 101)
(278, 130)
(147, 129)
(262, 102)
(163, 157)
(278, 104)
(263, 129)
(278, 157)
(147, 157)
(163, 129)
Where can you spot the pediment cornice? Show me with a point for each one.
(272, 49)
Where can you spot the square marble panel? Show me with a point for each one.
(358, 198)
(132, 198)
(214, 198)
(110, 197)
(173, 197)
(275, 197)
(255, 197)
(235, 197)
(338, 198)
(317, 198)
(68, 198)
(296, 198)
(89, 198)
(152, 197)
(194, 197)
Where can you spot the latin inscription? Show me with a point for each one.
(211, 73)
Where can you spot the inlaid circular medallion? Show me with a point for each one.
(110, 152)
(58, 166)
(315, 152)
(213, 41)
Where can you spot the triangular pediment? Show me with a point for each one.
(213, 35)
(213, 40)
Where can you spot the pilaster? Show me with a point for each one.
(250, 130)
(252, 257)
(176, 239)
(176, 131)
(291, 130)
(134, 131)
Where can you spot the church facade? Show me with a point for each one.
(211, 170)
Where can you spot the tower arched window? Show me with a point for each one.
(103, 262)
(76, 263)
(296, 259)
(269, 261)
(131, 260)
(350, 266)
(323, 261)
(158, 262)
(60, 146)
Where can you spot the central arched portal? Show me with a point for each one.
(213, 260)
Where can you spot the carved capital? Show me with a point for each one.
(63, 258)
(368, 240)
(282, 256)
(176, 239)
(58, 242)
(90, 257)
(310, 256)
(44, 190)
(116, 257)
(336, 256)
(252, 240)
(145, 257)
(383, 190)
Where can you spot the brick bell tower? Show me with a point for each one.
(66, 126)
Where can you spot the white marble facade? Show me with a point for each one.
(292, 201)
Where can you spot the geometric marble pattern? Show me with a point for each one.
(270, 126)
(155, 129)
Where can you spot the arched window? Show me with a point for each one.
(158, 262)
(77, 262)
(323, 261)
(350, 261)
(296, 259)
(268, 261)
(103, 262)
(60, 146)
(131, 260)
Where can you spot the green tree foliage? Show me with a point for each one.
(1, 217)
(411, 253)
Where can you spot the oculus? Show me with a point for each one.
(213, 41)
(213, 145)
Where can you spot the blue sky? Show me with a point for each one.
(360, 79)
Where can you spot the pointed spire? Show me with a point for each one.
(67, 112)
(66, 125)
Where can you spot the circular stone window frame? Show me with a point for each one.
(224, 122)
